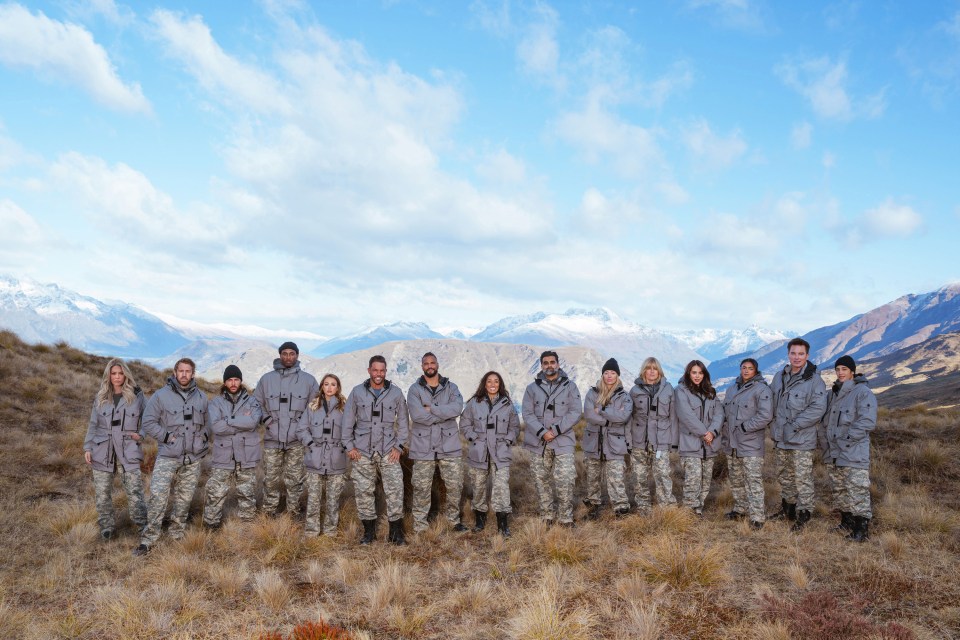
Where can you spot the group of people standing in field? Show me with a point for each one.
(303, 433)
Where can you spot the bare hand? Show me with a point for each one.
(393, 456)
(354, 454)
(549, 436)
(135, 437)
(88, 457)
(708, 437)
(427, 407)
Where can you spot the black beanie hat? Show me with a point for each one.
(611, 365)
(232, 371)
(289, 345)
(847, 362)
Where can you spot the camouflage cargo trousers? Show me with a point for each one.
(555, 473)
(283, 468)
(499, 494)
(183, 477)
(218, 484)
(651, 463)
(851, 490)
(615, 470)
(365, 472)
(132, 482)
(746, 485)
(795, 475)
(316, 483)
(697, 476)
(451, 472)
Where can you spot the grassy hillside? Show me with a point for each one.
(669, 575)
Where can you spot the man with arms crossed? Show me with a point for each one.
(551, 408)
(375, 430)
(799, 401)
(435, 404)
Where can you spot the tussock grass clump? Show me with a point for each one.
(545, 616)
(475, 595)
(661, 520)
(319, 630)
(276, 540)
(797, 575)
(229, 580)
(681, 564)
(914, 511)
(273, 590)
(391, 584)
(67, 516)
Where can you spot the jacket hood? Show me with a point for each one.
(758, 378)
(422, 381)
(561, 376)
(386, 384)
(858, 378)
(278, 366)
(173, 384)
(808, 371)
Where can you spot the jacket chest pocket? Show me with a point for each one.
(273, 402)
(663, 406)
(197, 415)
(173, 418)
(131, 419)
(298, 401)
(796, 401)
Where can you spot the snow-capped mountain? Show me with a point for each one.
(599, 329)
(372, 336)
(306, 340)
(46, 313)
(714, 344)
(904, 322)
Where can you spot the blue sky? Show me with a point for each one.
(323, 166)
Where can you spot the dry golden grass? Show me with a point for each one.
(665, 575)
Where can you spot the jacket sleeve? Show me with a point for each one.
(534, 428)
(248, 417)
(151, 419)
(219, 420)
(620, 410)
(759, 422)
(403, 424)
(514, 429)
(822, 443)
(814, 411)
(349, 422)
(686, 418)
(466, 422)
(418, 413)
(449, 409)
(866, 418)
(674, 422)
(572, 417)
(260, 395)
(590, 413)
(91, 427)
(716, 420)
(141, 403)
(303, 428)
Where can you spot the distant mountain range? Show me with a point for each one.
(906, 321)
(899, 336)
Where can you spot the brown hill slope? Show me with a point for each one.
(666, 575)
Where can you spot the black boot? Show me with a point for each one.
(594, 512)
(734, 515)
(503, 524)
(861, 529)
(784, 513)
(369, 531)
(803, 517)
(396, 532)
(479, 520)
(846, 522)
(459, 527)
(792, 512)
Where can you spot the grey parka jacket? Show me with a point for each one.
(283, 395)
(177, 419)
(799, 402)
(845, 429)
(747, 410)
(491, 429)
(608, 428)
(108, 434)
(434, 434)
(696, 415)
(234, 425)
(551, 405)
(654, 424)
(374, 424)
(321, 432)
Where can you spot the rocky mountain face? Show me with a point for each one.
(716, 344)
(904, 322)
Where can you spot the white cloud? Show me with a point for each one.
(801, 135)
(538, 51)
(679, 77)
(829, 160)
(745, 15)
(66, 52)
(19, 227)
(824, 84)
(733, 236)
(711, 150)
(189, 40)
(890, 219)
(87, 10)
(609, 212)
(494, 16)
(502, 167)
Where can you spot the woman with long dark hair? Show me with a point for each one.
(700, 418)
(320, 429)
(491, 425)
(112, 445)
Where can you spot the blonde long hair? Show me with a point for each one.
(128, 391)
(605, 392)
(341, 401)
